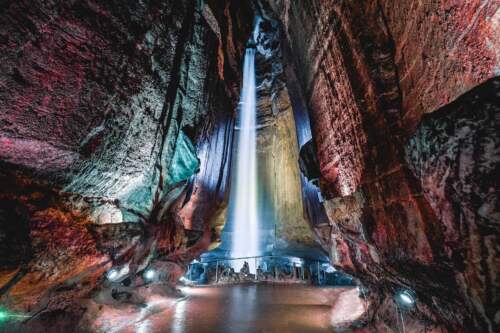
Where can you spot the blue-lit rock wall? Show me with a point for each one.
(282, 203)
(114, 117)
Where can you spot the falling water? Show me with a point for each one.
(244, 192)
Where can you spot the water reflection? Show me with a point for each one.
(179, 318)
(255, 309)
(242, 308)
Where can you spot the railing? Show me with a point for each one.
(283, 269)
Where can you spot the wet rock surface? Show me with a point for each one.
(107, 110)
(107, 89)
(455, 155)
(368, 72)
(442, 49)
(278, 151)
(116, 132)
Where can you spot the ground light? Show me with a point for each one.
(3, 315)
(6, 315)
(149, 274)
(405, 299)
(329, 268)
(112, 274)
(115, 274)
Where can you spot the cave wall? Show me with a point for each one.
(442, 49)
(283, 225)
(280, 192)
(108, 88)
(367, 86)
(108, 109)
(455, 155)
(115, 113)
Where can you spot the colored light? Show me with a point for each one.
(112, 274)
(149, 274)
(7, 315)
(405, 298)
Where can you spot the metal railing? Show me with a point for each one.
(257, 268)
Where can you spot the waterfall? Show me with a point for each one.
(243, 204)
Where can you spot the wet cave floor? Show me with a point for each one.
(253, 308)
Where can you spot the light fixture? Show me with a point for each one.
(6, 315)
(149, 274)
(117, 274)
(405, 298)
(112, 274)
(297, 261)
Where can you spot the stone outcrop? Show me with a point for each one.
(278, 152)
(116, 130)
(442, 49)
(455, 156)
(107, 111)
(368, 72)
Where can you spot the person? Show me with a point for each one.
(245, 270)
(259, 272)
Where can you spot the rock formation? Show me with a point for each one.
(407, 208)
(278, 151)
(378, 126)
(108, 109)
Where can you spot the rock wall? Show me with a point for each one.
(368, 72)
(116, 122)
(107, 111)
(455, 155)
(442, 49)
(280, 190)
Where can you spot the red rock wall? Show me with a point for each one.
(93, 98)
(365, 100)
(455, 155)
(102, 89)
(442, 49)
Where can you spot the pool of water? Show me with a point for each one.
(252, 308)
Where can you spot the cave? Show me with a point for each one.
(220, 166)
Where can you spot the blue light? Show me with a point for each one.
(112, 274)
(405, 298)
(149, 274)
